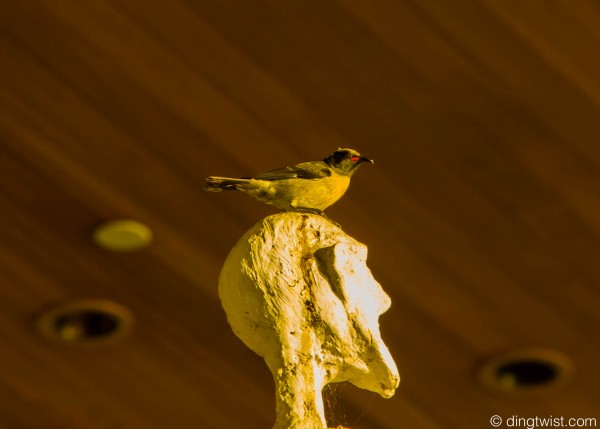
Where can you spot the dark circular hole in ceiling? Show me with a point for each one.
(84, 325)
(527, 372)
(85, 321)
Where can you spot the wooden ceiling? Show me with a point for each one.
(481, 213)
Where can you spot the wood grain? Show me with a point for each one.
(481, 213)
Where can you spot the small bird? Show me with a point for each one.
(308, 187)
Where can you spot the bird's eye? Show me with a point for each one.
(355, 158)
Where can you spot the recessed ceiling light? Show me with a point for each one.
(123, 235)
(525, 370)
(85, 321)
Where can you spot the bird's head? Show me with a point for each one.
(346, 161)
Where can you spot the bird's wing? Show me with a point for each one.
(306, 170)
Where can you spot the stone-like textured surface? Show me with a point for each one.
(297, 291)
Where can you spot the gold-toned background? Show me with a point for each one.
(481, 213)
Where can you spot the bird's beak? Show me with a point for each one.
(365, 159)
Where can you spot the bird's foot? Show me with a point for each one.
(310, 210)
(317, 212)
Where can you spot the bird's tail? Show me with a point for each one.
(219, 184)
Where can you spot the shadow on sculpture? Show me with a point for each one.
(296, 290)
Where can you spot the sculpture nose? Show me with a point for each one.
(388, 390)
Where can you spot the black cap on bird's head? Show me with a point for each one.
(346, 161)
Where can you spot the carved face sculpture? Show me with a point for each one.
(298, 292)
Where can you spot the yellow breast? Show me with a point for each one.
(317, 193)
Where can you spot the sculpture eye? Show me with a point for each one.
(355, 158)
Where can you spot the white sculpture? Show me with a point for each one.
(297, 291)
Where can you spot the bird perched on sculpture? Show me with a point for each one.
(309, 186)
